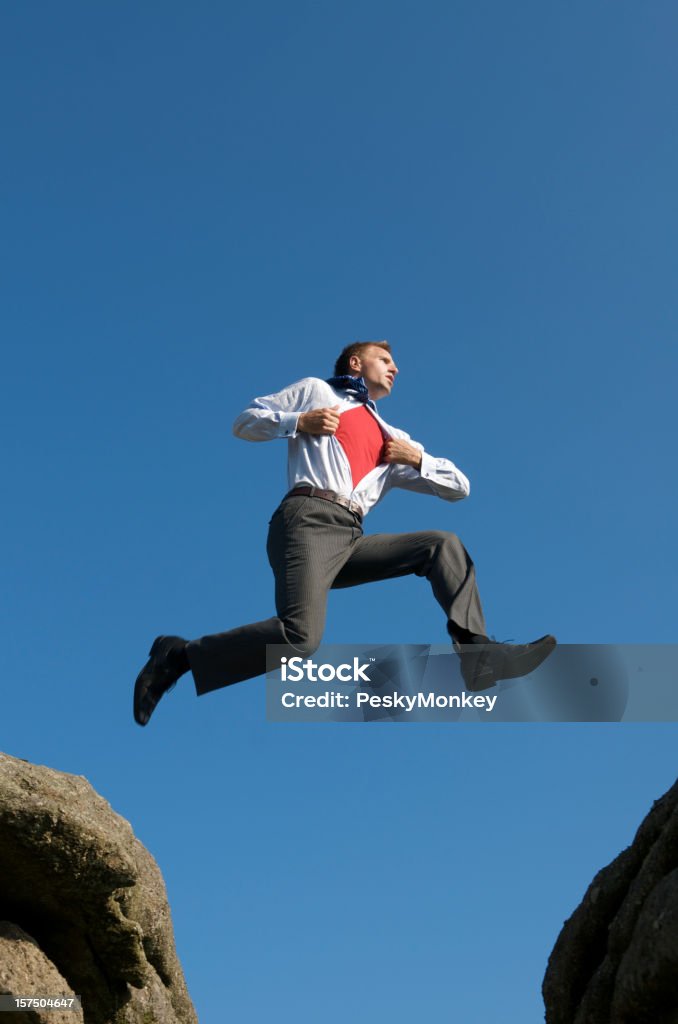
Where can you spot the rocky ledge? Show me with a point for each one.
(616, 959)
(83, 907)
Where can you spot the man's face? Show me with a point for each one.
(375, 365)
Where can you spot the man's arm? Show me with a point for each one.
(319, 421)
(403, 453)
(416, 470)
(287, 413)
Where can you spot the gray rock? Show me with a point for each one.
(616, 958)
(26, 971)
(75, 879)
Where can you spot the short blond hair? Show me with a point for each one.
(356, 348)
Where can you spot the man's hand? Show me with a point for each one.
(319, 421)
(403, 453)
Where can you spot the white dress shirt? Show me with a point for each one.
(320, 460)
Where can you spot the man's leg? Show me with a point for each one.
(443, 560)
(434, 554)
(309, 540)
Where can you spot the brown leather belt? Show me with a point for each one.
(338, 499)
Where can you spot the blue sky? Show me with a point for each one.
(205, 202)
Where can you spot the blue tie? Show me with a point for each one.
(356, 385)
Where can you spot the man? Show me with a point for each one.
(342, 459)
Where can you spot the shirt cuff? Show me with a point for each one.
(428, 466)
(287, 427)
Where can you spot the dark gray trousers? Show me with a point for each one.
(314, 545)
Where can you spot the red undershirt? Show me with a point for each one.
(360, 436)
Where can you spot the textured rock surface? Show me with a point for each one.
(25, 970)
(74, 878)
(616, 959)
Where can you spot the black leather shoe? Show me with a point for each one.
(485, 662)
(158, 675)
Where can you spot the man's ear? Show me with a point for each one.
(354, 364)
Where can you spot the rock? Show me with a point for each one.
(25, 970)
(80, 889)
(616, 958)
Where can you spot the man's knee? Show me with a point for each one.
(305, 642)
(442, 540)
(436, 547)
(306, 647)
(447, 546)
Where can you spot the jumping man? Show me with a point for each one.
(342, 459)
